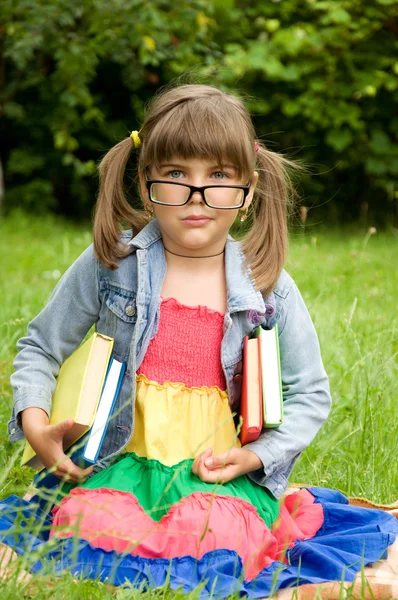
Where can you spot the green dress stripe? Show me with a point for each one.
(157, 487)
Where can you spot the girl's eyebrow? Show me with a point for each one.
(212, 168)
(172, 165)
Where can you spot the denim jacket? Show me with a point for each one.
(125, 304)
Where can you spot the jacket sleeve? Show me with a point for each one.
(305, 388)
(52, 336)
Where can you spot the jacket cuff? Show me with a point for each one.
(27, 397)
(269, 454)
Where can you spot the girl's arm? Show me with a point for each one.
(52, 336)
(306, 392)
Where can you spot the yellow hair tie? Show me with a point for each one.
(135, 136)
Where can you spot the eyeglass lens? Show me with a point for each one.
(217, 197)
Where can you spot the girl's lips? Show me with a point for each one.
(195, 221)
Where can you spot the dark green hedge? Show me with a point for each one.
(320, 77)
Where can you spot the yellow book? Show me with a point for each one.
(78, 390)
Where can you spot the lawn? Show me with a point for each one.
(349, 282)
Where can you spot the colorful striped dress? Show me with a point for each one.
(150, 503)
(148, 519)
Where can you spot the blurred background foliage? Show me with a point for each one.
(319, 76)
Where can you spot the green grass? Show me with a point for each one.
(349, 283)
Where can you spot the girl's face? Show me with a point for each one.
(195, 228)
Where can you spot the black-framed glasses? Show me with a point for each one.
(170, 193)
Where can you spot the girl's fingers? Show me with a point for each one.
(206, 454)
(71, 472)
(219, 461)
(207, 476)
(86, 472)
(64, 476)
(217, 474)
(199, 460)
(195, 465)
(58, 430)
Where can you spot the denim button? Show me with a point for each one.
(12, 430)
(130, 311)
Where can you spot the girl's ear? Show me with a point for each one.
(253, 183)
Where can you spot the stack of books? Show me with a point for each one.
(87, 387)
(261, 404)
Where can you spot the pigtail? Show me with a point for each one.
(266, 244)
(112, 210)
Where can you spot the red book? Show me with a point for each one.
(251, 404)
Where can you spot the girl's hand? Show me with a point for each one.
(47, 441)
(225, 466)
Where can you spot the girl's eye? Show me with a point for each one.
(175, 174)
(219, 175)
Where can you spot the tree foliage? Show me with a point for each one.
(75, 76)
(320, 76)
(325, 75)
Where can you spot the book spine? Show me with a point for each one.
(279, 367)
(260, 381)
(119, 385)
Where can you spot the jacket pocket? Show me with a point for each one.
(119, 317)
(122, 303)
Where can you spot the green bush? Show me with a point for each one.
(320, 76)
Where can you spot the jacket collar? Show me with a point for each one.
(147, 236)
(241, 291)
(242, 294)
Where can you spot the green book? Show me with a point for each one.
(271, 381)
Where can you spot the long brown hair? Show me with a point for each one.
(199, 121)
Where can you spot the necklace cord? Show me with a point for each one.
(185, 256)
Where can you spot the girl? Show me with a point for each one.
(178, 295)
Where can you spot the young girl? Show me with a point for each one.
(178, 294)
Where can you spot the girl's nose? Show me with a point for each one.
(197, 197)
